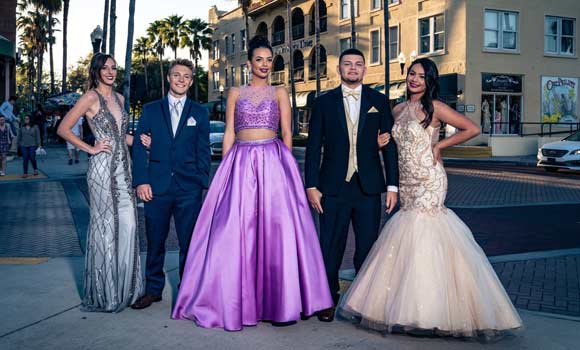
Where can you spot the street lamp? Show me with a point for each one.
(96, 39)
(402, 61)
(221, 101)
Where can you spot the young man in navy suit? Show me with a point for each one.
(347, 185)
(170, 180)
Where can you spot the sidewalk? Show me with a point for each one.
(40, 311)
(47, 221)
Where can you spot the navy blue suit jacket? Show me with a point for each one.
(328, 131)
(185, 157)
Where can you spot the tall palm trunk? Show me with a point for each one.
(162, 77)
(64, 43)
(128, 54)
(39, 73)
(317, 43)
(352, 25)
(113, 25)
(292, 83)
(50, 53)
(145, 63)
(387, 48)
(105, 27)
(195, 87)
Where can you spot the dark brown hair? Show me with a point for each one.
(97, 63)
(180, 62)
(431, 88)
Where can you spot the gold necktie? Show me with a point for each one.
(353, 93)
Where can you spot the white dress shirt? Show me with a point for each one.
(175, 111)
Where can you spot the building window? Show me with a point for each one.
(244, 75)
(243, 40)
(344, 44)
(376, 4)
(375, 46)
(216, 50)
(226, 78)
(233, 44)
(216, 80)
(559, 35)
(233, 75)
(501, 30)
(227, 41)
(431, 34)
(393, 42)
(345, 8)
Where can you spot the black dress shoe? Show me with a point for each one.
(282, 324)
(145, 301)
(326, 315)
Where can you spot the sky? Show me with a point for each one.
(85, 15)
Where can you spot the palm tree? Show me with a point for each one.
(50, 7)
(352, 24)
(173, 29)
(127, 81)
(387, 49)
(25, 23)
(197, 37)
(317, 43)
(105, 27)
(291, 68)
(112, 28)
(245, 4)
(157, 42)
(64, 42)
(142, 51)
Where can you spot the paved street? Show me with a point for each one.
(526, 220)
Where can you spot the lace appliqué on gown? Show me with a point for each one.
(257, 108)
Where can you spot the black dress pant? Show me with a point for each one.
(351, 204)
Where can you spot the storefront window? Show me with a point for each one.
(501, 104)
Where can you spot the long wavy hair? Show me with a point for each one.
(431, 88)
(97, 63)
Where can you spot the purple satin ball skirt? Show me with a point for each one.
(254, 254)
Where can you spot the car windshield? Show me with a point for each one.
(574, 137)
(215, 128)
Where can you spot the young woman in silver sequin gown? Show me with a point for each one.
(112, 277)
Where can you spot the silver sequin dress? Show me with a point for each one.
(112, 277)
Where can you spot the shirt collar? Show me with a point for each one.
(172, 99)
(356, 89)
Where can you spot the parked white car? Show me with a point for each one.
(216, 137)
(563, 154)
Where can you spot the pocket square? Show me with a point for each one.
(373, 110)
(191, 121)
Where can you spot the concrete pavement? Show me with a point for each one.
(41, 296)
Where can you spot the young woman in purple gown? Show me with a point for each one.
(254, 254)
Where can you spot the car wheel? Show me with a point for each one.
(551, 170)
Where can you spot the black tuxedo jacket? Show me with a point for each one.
(328, 131)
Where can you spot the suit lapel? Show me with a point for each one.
(364, 107)
(167, 115)
(185, 113)
(340, 110)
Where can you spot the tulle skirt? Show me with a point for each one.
(426, 274)
(254, 253)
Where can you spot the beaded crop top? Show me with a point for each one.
(257, 108)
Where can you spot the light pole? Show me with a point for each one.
(221, 102)
(96, 39)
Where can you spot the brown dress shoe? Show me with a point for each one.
(145, 301)
(326, 315)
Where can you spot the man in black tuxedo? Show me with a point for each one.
(346, 123)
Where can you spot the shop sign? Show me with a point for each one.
(559, 100)
(501, 83)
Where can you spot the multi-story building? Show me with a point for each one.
(7, 49)
(511, 66)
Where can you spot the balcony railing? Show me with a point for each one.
(299, 74)
(312, 72)
(298, 31)
(278, 78)
(278, 38)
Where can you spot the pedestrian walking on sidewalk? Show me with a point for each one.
(6, 137)
(28, 141)
(112, 277)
